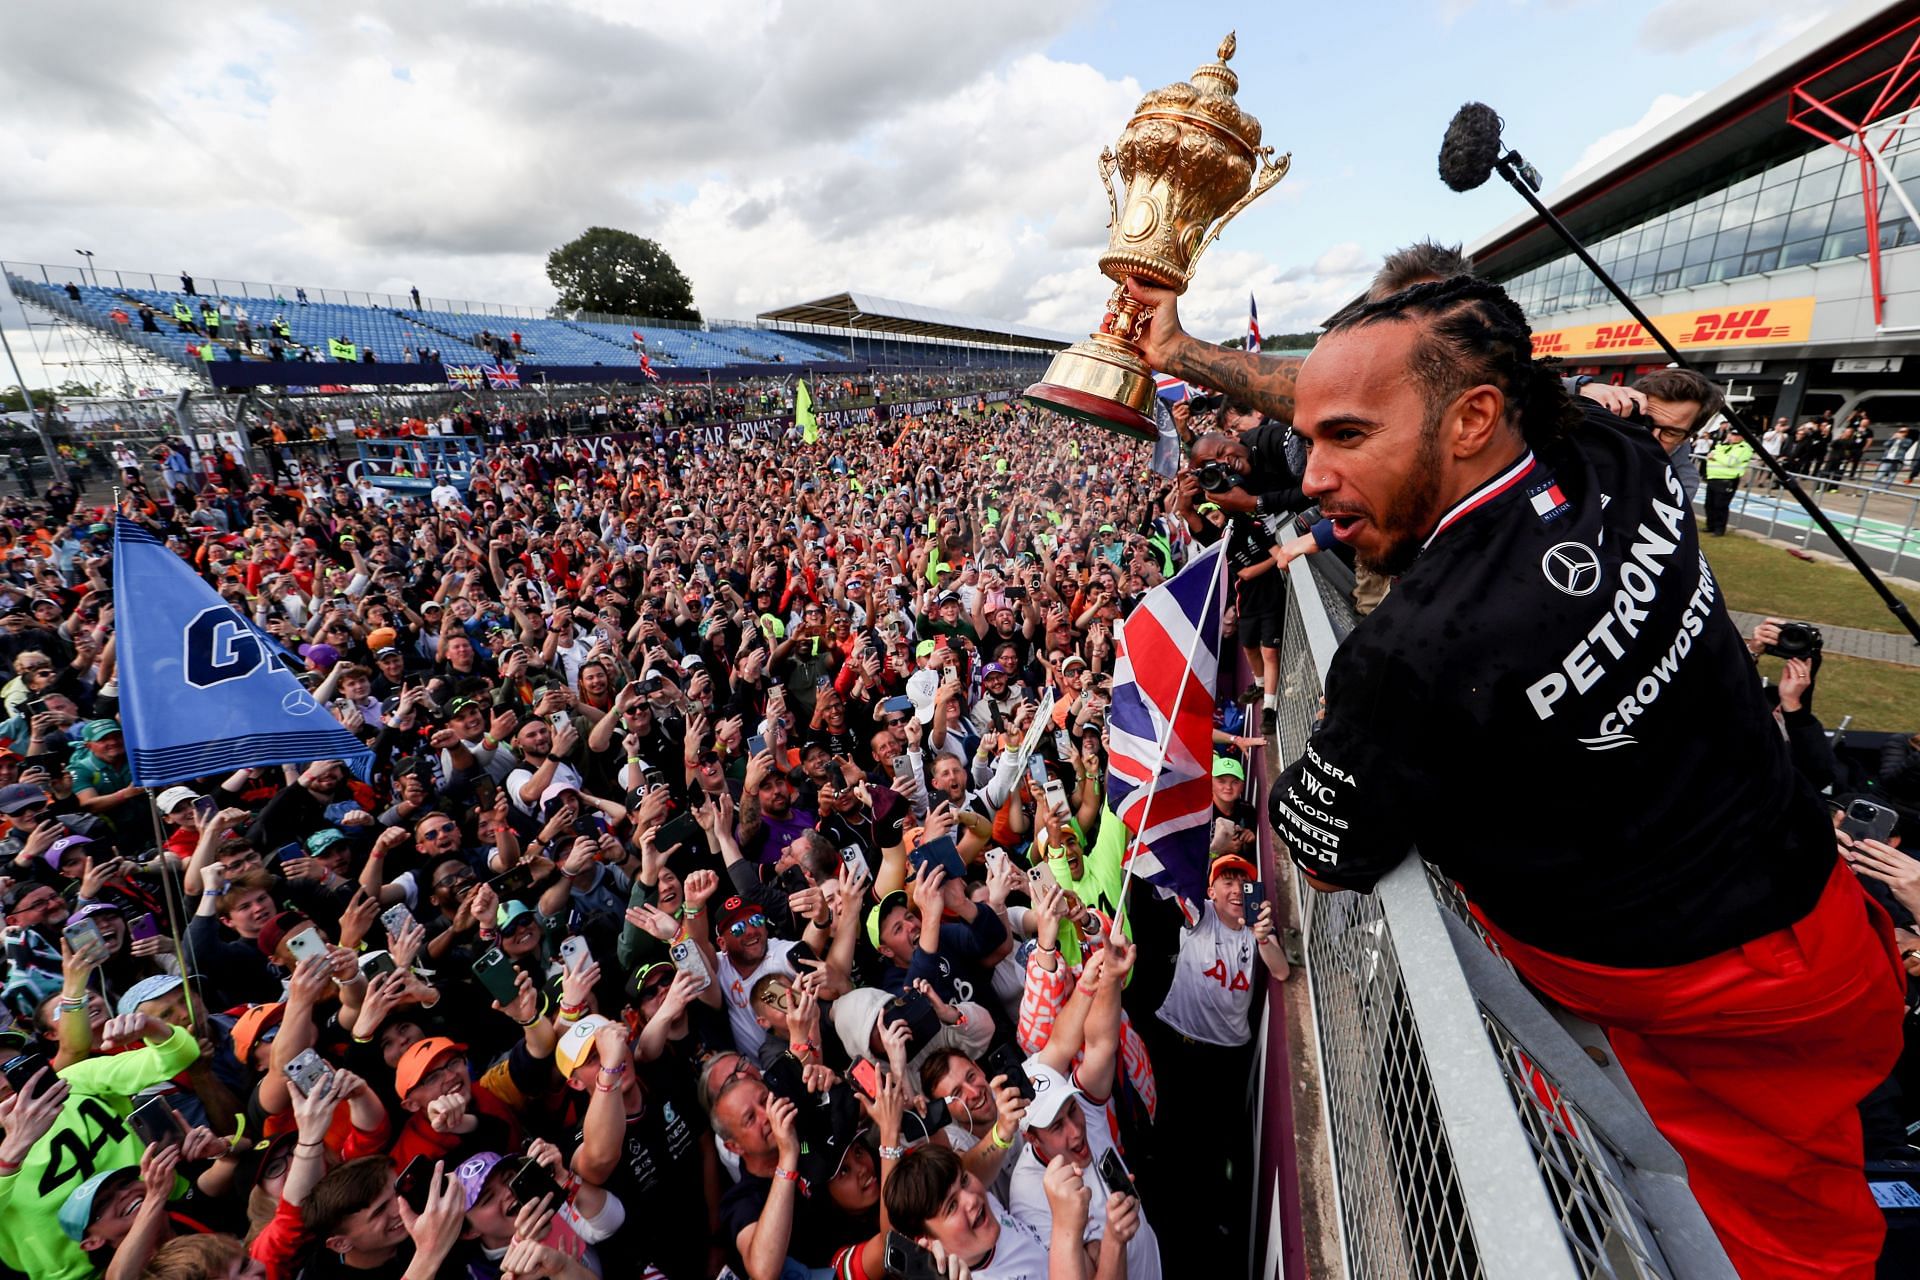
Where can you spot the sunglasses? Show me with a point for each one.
(455, 881)
(738, 928)
(446, 829)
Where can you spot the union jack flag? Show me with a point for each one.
(469, 376)
(503, 375)
(1171, 389)
(1253, 324)
(646, 367)
(1160, 771)
(639, 338)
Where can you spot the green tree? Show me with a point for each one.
(620, 273)
(11, 401)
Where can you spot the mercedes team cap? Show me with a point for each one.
(1052, 1092)
(577, 1044)
(1228, 767)
(897, 898)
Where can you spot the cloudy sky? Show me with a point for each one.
(939, 153)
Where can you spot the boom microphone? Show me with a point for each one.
(1471, 147)
(1470, 154)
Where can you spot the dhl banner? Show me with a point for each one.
(1781, 320)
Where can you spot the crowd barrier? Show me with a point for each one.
(1469, 1129)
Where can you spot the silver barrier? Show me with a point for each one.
(1473, 1131)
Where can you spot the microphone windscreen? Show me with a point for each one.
(1471, 146)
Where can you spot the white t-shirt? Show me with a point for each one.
(736, 990)
(1019, 1254)
(1028, 1197)
(1211, 996)
(446, 498)
(563, 773)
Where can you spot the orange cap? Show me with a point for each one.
(421, 1058)
(252, 1025)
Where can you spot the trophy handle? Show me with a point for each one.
(1108, 163)
(1271, 171)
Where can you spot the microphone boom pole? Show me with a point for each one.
(1518, 174)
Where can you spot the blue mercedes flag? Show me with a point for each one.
(199, 693)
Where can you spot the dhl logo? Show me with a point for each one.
(1617, 337)
(1733, 326)
(1547, 344)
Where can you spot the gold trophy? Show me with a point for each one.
(1191, 160)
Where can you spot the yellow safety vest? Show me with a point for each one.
(181, 311)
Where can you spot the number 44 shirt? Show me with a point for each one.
(89, 1136)
(1211, 999)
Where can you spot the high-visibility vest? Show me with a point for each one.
(207, 352)
(210, 317)
(183, 313)
(1728, 460)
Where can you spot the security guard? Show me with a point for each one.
(1555, 708)
(1726, 463)
(183, 316)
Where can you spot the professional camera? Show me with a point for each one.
(1218, 477)
(1797, 640)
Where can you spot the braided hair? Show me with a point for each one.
(1473, 333)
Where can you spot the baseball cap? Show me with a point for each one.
(734, 908)
(95, 730)
(1073, 660)
(97, 909)
(323, 656)
(420, 1059)
(1231, 862)
(473, 1172)
(510, 912)
(388, 652)
(323, 838)
(575, 1046)
(253, 1024)
(992, 669)
(19, 795)
(1228, 767)
(879, 913)
(144, 990)
(60, 848)
(173, 797)
(923, 649)
(76, 1215)
(1051, 1094)
(287, 922)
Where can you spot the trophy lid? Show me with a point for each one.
(1207, 99)
(1218, 73)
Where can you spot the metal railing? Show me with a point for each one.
(1881, 517)
(1474, 1132)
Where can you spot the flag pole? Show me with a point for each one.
(1173, 718)
(170, 889)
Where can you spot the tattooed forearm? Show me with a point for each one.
(1261, 382)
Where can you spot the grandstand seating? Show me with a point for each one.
(390, 332)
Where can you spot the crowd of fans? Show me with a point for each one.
(695, 912)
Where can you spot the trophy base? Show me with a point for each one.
(1102, 381)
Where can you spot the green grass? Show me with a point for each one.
(1760, 578)
(1878, 695)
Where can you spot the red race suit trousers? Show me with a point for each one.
(1752, 1063)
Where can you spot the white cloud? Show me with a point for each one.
(1681, 26)
(1606, 144)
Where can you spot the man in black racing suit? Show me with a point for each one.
(1554, 706)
